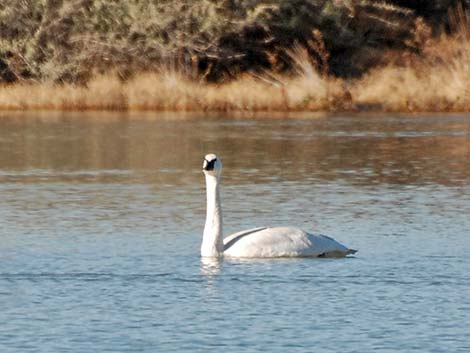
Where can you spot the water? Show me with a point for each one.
(101, 219)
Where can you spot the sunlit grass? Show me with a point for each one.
(167, 92)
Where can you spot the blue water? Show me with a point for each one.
(101, 220)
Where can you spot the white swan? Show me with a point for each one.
(260, 242)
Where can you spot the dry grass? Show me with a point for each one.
(435, 81)
(169, 92)
(442, 89)
(172, 91)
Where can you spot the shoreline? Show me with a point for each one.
(150, 115)
(156, 93)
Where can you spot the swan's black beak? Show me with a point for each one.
(209, 165)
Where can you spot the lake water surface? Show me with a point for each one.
(101, 218)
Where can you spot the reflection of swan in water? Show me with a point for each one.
(257, 242)
(210, 266)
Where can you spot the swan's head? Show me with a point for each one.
(212, 165)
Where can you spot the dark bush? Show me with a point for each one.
(70, 41)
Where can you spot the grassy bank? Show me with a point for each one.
(270, 56)
(436, 81)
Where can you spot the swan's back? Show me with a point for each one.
(282, 242)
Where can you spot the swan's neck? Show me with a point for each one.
(212, 243)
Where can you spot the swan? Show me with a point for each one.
(262, 242)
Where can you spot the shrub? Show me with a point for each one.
(71, 41)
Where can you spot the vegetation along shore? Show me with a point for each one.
(235, 55)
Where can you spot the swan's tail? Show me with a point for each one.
(338, 253)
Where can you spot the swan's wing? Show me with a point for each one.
(267, 242)
(233, 238)
(281, 242)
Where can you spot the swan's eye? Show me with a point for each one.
(209, 165)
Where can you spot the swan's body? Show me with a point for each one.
(261, 242)
(282, 242)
